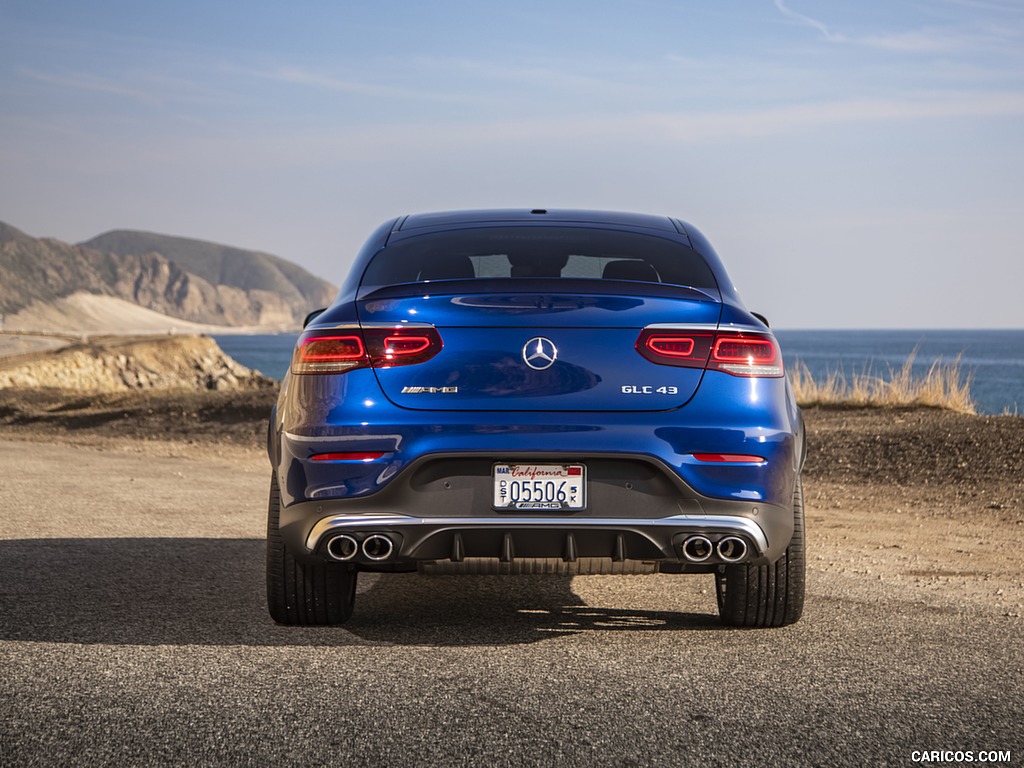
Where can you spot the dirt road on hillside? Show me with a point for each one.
(23, 346)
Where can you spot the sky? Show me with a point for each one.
(856, 164)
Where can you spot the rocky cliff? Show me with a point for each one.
(120, 364)
(189, 280)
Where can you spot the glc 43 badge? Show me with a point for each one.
(647, 389)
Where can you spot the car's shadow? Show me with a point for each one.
(164, 591)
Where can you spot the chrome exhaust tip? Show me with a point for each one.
(698, 549)
(732, 549)
(376, 546)
(343, 547)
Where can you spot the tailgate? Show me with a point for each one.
(540, 352)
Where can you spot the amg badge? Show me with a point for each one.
(429, 390)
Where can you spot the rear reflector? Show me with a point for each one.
(347, 456)
(328, 351)
(728, 458)
(738, 354)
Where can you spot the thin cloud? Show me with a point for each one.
(931, 40)
(448, 70)
(655, 127)
(160, 92)
(807, 21)
(1012, 7)
(782, 120)
(299, 76)
(95, 84)
(925, 40)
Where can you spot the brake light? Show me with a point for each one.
(328, 351)
(671, 346)
(683, 349)
(738, 354)
(389, 347)
(746, 354)
(405, 346)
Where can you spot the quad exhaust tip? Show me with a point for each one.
(698, 549)
(729, 549)
(343, 547)
(732, 549)
(376, 546)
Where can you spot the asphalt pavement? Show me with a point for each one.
(133, 631)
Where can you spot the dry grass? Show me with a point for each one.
(946, 385)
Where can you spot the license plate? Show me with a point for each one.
(540, 486)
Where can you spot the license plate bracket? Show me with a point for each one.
(539, 487)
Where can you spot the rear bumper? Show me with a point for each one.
(416, 540)
(638, 509)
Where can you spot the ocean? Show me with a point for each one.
(995, 358)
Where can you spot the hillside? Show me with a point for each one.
(221, 264)
(45, 283)
(124, 363)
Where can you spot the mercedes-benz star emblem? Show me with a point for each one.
(539, 353)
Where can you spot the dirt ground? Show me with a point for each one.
(176, 418)
(927, 503)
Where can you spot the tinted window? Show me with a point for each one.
(541, 252)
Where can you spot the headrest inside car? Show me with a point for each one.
(630, 269)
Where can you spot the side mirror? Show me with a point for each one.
(313, 316)
(762, 318)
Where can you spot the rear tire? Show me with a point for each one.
(300, 594)
(766, 595)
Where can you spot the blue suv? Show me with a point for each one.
(536, 392)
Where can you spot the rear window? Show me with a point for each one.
(537, 252)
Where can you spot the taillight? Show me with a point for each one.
(401, 346)
(746, 354)
(678, 348)
(738, 354)
(326, 352)
(331, 351)
(406, 345)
